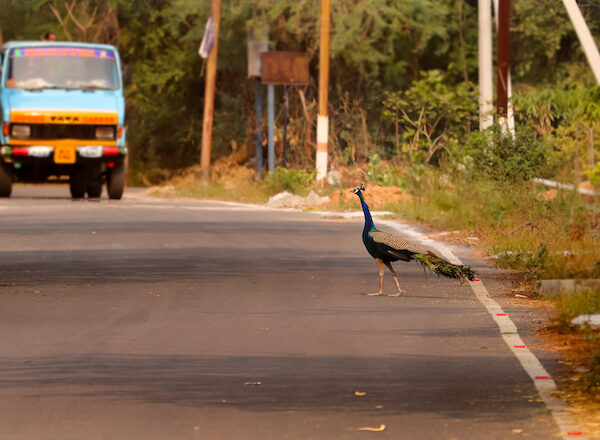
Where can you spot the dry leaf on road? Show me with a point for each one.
(367, 428)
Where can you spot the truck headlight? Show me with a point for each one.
(105, 132)
(20, 131)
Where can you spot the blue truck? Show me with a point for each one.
(63, 117)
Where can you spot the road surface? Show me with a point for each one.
(156, 319)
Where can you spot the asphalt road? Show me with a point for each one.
(155, 319)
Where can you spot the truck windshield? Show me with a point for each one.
(62, 68)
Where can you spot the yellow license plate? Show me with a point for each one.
(64, 154)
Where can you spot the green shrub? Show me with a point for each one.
(384, 175)
(501, 156)
(532, 262)
(591, 381)
(286, 179)
(569, 305)
(572, 304)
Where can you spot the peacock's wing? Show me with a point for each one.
(394, 246)
(399, 248)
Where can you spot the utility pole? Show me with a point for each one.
(259, 148)
(271, 127)
(323, 119)
(486, 90)
(585, 37)
(503, 59)
(209, 96)
(510, 113)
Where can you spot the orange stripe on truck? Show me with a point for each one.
(63, 117)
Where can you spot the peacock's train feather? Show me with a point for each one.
(444, 268)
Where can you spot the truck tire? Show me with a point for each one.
(94, 190)
(77, 183)
(94, 184)
(5, 181)
(115, 180)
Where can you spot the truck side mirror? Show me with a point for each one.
(127, 75)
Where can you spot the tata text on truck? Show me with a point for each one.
(63, 117)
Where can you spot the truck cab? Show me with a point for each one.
(63, 116)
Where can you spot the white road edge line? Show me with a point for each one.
(542, 380)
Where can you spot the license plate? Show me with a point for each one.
(64, 154)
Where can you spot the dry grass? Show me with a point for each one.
(546, 238)
(579, 371)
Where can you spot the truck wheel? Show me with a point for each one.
(94, 190)
(5, 181)
(94, 184)
(115, 180)
(77, 183)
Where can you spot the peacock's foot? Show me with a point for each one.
(375, 294)
(397, 294)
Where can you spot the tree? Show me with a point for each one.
(430, 115)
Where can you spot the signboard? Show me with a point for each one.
(285, 68)
(255, 48)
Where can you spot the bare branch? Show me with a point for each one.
(79, 25)
(63, 23)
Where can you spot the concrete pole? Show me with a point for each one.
(585, 37)
(209, 97)
(323, 119)
(486, 89)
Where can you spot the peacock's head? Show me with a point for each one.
(358, 190)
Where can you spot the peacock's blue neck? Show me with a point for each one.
(369, 225)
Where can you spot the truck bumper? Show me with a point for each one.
(46, 162)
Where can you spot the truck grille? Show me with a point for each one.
(59, 131)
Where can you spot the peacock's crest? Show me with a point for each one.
(359, 189)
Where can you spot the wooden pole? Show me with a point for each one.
(323, 119)
(209, 96)
(509, 121)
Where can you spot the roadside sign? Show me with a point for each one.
(255, 48)
(285, 68)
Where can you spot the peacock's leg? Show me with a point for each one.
(380, 263)
(389, 266)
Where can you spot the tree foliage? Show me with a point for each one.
(434, 116)
(401, 81)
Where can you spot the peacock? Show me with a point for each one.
(386, 247)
